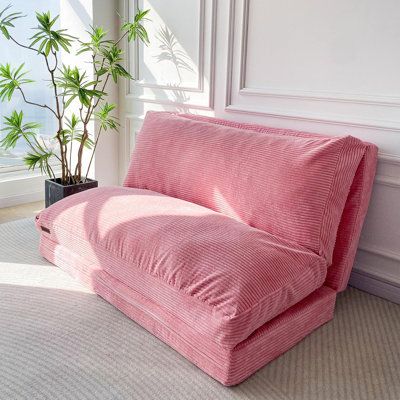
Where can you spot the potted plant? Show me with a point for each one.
(72, 90)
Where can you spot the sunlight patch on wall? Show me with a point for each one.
(171, 59)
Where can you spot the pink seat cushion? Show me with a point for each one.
(219, 276)
(294, 187)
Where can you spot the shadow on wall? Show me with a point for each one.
(80, 11)
(170, 52)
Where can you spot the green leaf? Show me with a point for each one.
(5, 32)
(97, 40)
(6, 21)
(49, 39)
(73, 122)
(106, 120)
(114, 75)
(83, 97)
(76, 85)
(112, 57)
(11, 79)
(101, 71)
(136, 29)
(15, 130)
(39, 158)
(69, 101)
(48, 48)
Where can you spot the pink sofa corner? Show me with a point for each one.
(228, 241)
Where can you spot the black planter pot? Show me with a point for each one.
(55, 191)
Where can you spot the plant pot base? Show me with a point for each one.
(55, 191)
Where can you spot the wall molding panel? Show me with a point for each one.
(390, 254)
(388, 171)
(199, 96)
(388, 181)
(357, 98)
(133, 51)
(294, 103)
(376, 125)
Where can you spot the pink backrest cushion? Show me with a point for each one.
(292, 186)
(355, 209)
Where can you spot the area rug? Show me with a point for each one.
(59, 340)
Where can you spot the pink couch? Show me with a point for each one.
(228, 241)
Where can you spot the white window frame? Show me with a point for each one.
(21, 186)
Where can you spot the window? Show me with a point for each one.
(38, 91)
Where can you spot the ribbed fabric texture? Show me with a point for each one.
(221, 277)
(292, 186)
(221, 240)
(356, 206)
(229, 366)
(352, 221)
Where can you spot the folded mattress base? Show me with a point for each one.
(228, 366)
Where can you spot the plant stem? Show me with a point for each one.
(89, 113)
(104, 87)
(93, 151)
(35, 104)
(22, 45)
(68, 170)
(116, 43)
(64, 161)
(51, 171)
(70, 154)
(78, 168)
(56, 59)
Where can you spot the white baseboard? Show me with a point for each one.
(15, 200)
(375, 285)
(20, 188)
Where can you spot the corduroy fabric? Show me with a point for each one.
(352, 221)
(229, 366)
(356, 206)
(217, 274)
(293, 187)
(233, 276)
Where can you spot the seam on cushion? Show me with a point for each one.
(254, 127)
(249, 341)
(225, 316)
(327, 200)
(309, 268)
(358, 214)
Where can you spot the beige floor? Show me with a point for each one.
(21, 211)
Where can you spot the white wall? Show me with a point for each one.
(106, 158)
(79, 16)
(324, 66)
